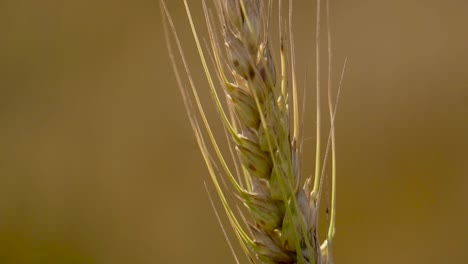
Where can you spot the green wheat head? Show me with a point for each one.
(264, 129)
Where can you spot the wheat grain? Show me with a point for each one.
(265, 131)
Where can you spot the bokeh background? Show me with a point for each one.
(98, 163)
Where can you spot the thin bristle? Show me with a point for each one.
(318, 117)
(222, 226)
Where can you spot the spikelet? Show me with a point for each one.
(282, 221)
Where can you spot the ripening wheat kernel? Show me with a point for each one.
(261, 118)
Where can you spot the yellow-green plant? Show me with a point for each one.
(261, 117)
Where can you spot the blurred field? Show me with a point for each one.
(98, 163)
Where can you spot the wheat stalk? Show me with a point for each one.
(262, 122)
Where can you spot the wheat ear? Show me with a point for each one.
(282, 205)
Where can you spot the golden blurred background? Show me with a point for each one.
(98, 163)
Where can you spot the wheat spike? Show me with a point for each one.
(282, 220)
